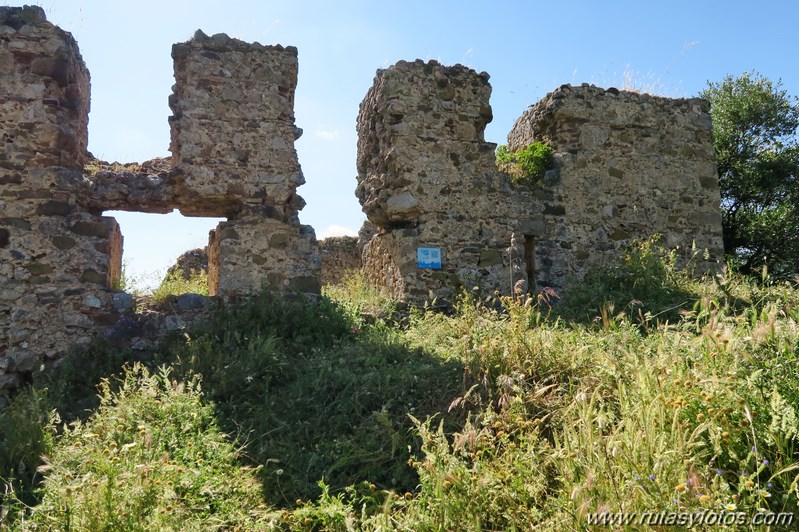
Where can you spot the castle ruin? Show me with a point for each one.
(627, 166)
(233, 156)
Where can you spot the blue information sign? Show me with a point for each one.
(429, 258)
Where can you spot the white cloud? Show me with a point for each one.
(688, 45)
(326, 134)
(335, 230)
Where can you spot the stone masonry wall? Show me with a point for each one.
(233, 151)
(627, 166)
(55, 255)
(340, 254)
(427, 178)
(233, 127)
(233, 139)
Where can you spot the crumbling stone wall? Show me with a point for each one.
(627, 166)
(427, 178)
(233, 150)
(340, 254)
(55, 255)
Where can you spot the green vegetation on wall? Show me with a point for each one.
(528, 165)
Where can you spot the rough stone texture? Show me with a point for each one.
(630, 165)
(146, 187)
(192, 262)
(233, 151)
(56, 257)
(627, 166)
(340, 255)
(365, 234)
(233, 126)
(253, 252)
(44, 99)
(427, 178)
(233, 139)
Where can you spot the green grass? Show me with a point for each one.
(176, 283)
(645, 390)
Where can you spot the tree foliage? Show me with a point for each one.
(755, 138)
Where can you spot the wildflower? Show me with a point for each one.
(652, 477)
(764, 494)
(704, 499)
(769, 485)
(730, 507)
(718, 471)
(749, 484)
(765, 462)
(680, 487)
(248, 378)
(355, 330)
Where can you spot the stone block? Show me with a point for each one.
(242, 259)
(233, 128)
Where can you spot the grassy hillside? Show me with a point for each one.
(644, 391)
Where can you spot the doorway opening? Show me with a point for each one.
(164, 254)
(529, 262)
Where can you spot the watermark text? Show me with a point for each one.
(690, 519)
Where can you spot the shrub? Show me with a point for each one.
(645, 285)
(150, 458)
(528, 165)
(525, 420)
(362, 301)
(27, 430)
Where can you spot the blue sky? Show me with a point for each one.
(529, 48)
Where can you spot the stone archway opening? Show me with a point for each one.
(166, 252)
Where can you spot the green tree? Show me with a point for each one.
(755, 137)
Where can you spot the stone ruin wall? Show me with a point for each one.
(340, 255)
(627, 166)
(233, 151)
(427, 178)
